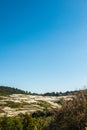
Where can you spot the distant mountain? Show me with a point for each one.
(5, 90)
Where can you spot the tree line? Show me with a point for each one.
(5, 90)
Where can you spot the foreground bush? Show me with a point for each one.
(73, 115)
(36, 121)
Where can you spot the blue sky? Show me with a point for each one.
(43, 44)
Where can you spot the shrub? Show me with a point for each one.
(73, 115)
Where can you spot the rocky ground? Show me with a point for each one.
(21, 103)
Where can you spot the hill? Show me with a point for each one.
(5, 90)
(20, 110)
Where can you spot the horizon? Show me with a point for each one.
(43, 45)
(84, 88)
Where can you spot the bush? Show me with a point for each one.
(73, 115)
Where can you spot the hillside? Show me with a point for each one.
(14, 101)
(42, 112)
(15, 104)
(5, 90)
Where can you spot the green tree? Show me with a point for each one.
(29, 123)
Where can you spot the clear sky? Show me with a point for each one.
(43, 44)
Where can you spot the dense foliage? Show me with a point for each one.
(36, 121)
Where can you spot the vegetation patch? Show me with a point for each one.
(24, 122)
(60, 101)
(2, 111)
(13, 104)
(44, 104)
(73, 114)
